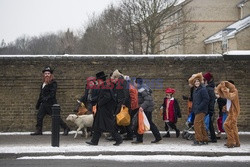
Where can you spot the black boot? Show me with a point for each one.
(117, 143)
(91, 143)
(177, 133)
(156, 140)
(166, 135)
(66, 131)
(37, 132)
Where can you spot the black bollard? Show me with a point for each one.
(55, 125)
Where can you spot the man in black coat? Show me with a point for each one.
(209, 82)
(46, 99)
(104, 120)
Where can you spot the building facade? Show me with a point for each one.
(198, 20)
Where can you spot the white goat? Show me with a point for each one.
(82, 121)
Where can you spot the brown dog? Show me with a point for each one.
(82, 109)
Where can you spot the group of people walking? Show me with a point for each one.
(115, 94)
(203, 100)
(109, 94)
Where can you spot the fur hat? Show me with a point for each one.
(116, 74)
(194, 77)
(48, 68)
(208, 76)
(170, 90)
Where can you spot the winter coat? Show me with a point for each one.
(94, 96)
(145, 99)
(47, 94)
(133, 93)
(121, 90)
(200, 100)
(104, 118)
(176, 109)
(212, 97)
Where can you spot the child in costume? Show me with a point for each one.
(200, 108)
(171, 112)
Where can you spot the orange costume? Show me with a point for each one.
(227, 90)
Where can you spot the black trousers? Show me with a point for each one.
(153, 128)
(129, 130)
(169, 125)
(42, 112)
(211, 128)
(97, 135)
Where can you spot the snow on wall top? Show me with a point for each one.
(238, 52)
(114, 56)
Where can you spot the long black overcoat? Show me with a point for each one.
(105, 118)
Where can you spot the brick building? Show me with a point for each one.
(195, 21)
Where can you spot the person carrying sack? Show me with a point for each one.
(147, 105)
(121, 91)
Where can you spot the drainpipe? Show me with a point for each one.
(241, 5)
(241, 11)
(212, 48)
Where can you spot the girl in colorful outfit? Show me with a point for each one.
(171, 112)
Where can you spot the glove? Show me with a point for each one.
(37, 105)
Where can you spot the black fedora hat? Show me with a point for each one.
(49, 69)
(101, 75)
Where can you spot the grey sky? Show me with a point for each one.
(35, 17)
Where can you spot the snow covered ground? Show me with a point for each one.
(146, 158)
(31, 144)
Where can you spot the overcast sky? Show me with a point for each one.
(35, 17)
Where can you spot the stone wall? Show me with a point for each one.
(20, 79)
